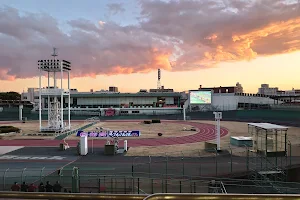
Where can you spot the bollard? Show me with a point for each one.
(125, 145)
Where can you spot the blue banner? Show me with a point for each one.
(109, 134)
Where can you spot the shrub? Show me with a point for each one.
(147, 122)
(155, 120)
(8, 129)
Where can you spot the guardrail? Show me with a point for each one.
(187, 196)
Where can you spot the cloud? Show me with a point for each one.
(229, 30)
(173, 35)
(115, 8)
(93, 48)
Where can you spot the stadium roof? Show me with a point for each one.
(268, 126)
(142, 94)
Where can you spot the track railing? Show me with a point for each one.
(186, 196)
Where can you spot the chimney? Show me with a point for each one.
(91, 90)
(162, 87)
(200, 87)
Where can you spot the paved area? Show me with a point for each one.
(206, 132)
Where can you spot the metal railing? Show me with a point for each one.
(187, 196)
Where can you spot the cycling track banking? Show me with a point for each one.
(205, 132)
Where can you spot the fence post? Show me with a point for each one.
(23, 174)
(290, 147)
(179, 186)
(41, 174)
(111, 184)
(149, 166)
(182, 163)
(216, 160)
(75, 180)
(247, 159)
(138, 185)
(132, 173)
(230, 159)
(194, 187)
(4, 178)
(166, 165)
(166, 172)
(152, 189)
(99, 185)
(125, 188)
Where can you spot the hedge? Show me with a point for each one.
(8, 129)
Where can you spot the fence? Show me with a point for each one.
(161, 173)
(288, 117)
(126, 184)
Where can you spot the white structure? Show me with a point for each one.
(20, 112)
(97, 102)
(83, 146)
(218, 117)
(55, 106)
(232, 101)
(268, 137)
(266, 90)
(125, 145)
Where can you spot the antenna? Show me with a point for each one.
(158, 79)
(54, 52)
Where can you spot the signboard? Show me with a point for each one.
(200, 96)
(109, 134)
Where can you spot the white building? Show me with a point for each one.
(266, 90)
(235, 101)
(106, 103)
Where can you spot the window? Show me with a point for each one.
(124, 112)
(135, 111)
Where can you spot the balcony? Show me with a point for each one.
(54, 92)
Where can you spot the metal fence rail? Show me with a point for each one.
(142, 184)
(21, 195)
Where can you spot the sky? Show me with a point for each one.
(123, 42)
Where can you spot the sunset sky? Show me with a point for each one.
(123, 42)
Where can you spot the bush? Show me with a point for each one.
(8, 129)
(155, 120)
(147, 122)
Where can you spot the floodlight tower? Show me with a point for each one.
(55, 106)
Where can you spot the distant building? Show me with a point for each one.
(162, 89)
(266, 90)
(227, 89)
(103, 102)
(113, 89)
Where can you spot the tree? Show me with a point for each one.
(10, 96)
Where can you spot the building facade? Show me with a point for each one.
(114, 103)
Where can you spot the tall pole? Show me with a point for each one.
(48, 97)
(40, 99)
(69, 104)
(184, 117)
(218, 135)
(62, 96)
(218, 117)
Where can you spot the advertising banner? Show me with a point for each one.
(109, 134)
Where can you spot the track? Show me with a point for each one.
(206, 132)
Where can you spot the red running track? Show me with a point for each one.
(206, 132)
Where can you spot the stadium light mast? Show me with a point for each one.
(55, 106)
